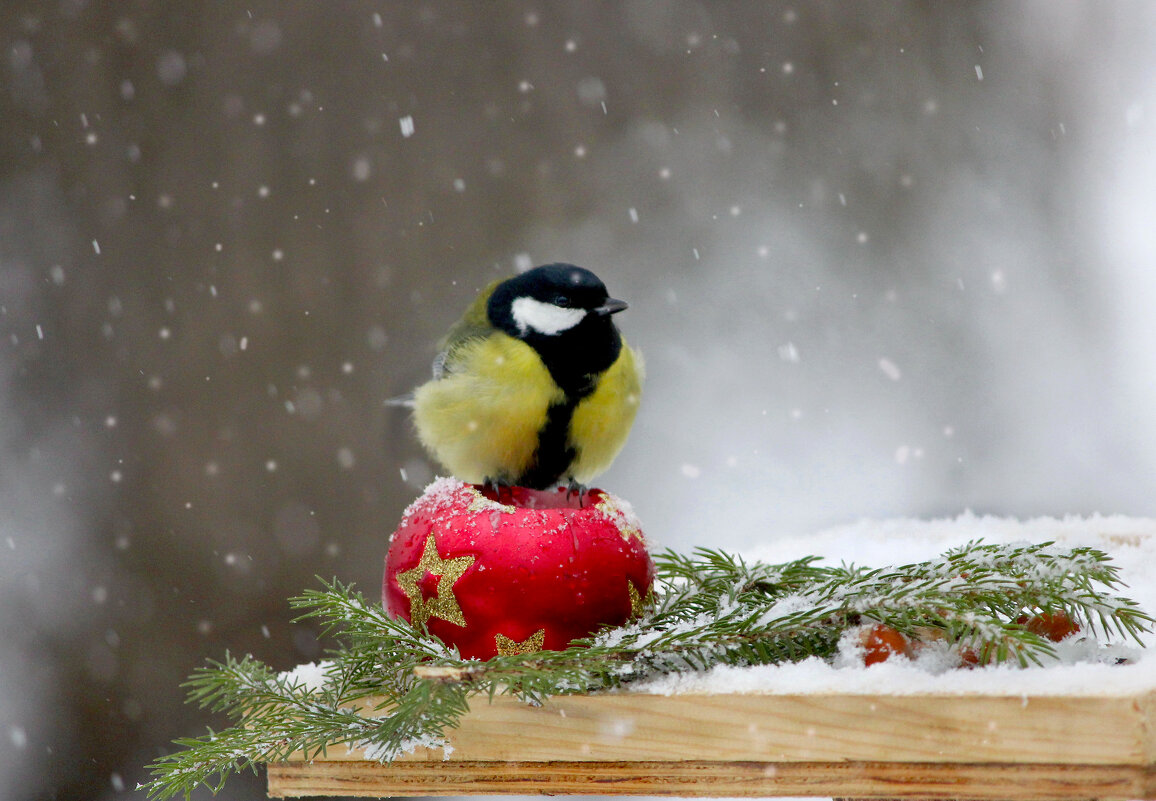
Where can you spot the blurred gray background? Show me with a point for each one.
(883, 259)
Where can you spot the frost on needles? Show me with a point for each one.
(388, 687)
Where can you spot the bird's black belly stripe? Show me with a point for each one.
(554, 454)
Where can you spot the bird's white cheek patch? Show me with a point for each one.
(545, 318)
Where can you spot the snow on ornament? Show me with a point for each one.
(517, 570)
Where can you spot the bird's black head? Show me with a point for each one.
(563, 312)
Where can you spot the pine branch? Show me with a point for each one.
(708, 608)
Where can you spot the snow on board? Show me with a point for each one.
(1131, 542)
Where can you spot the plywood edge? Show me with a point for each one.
(699, 778)
(633, 727)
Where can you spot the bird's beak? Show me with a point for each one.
(611, 306)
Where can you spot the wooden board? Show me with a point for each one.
(867, 746)
(699, 778)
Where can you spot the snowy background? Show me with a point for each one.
(895, 259)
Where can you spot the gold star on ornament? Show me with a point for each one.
(445, 603)
(508, 647)
(480, 503)
(636, 605)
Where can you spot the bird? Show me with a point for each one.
(534, 386)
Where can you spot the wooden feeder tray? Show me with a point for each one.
(927, 746)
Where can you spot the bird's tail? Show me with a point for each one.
(405, 400)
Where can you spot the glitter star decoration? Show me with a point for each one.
(637, 605)
(444, 604)
(508, 647)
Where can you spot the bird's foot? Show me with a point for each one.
(495, 488)
(576, 490)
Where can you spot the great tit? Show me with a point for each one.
(534, 385)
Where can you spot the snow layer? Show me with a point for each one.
(311, 675)
(1130, 541)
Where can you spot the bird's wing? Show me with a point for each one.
(474, 324)
(439, 364)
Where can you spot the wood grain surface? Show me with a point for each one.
(852, 746)
(1090, 730)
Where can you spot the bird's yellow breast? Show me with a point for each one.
(481, 420)
(602, 420)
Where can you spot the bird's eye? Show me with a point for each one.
(563, 301)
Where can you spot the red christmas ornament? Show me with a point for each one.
(517, 572)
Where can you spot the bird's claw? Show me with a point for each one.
(575, 489)
(493, 488)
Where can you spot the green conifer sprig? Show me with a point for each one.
(389, 687)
